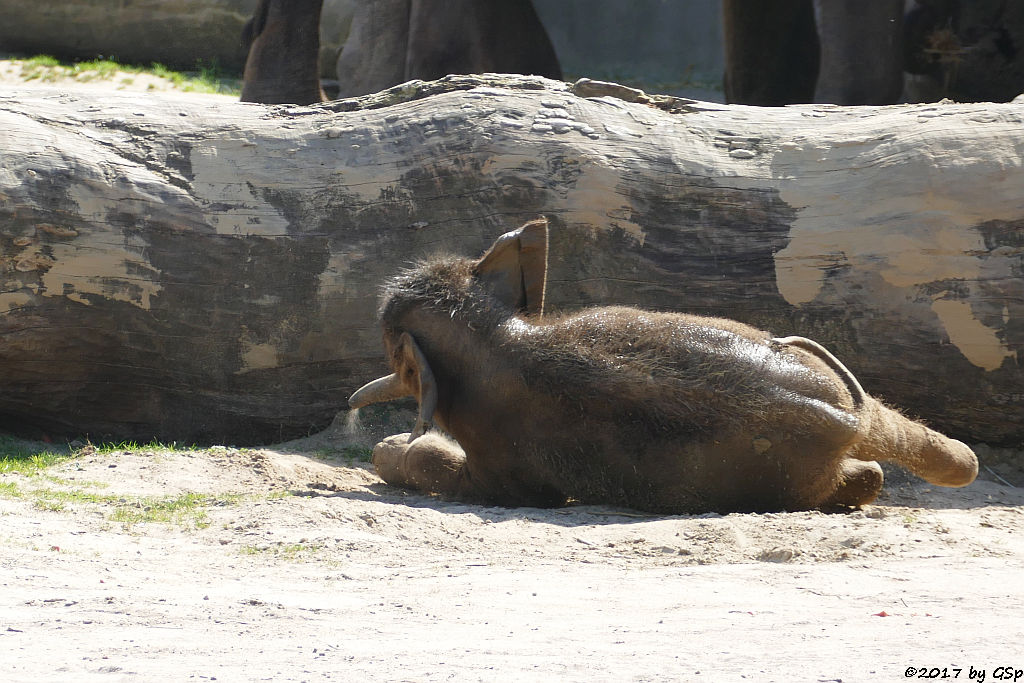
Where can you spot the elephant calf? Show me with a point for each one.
(664, 412)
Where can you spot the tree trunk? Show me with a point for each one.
(208, 271)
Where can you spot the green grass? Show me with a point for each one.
(187, 510)
(27, 457)
(205, 79)
(290, 552)
(346, 454)
(154, 445)
(47, 491)
(42, 61)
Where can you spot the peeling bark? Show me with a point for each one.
(208, 271)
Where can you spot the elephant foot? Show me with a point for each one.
(859, 484)
(389, 458)
(429, 463)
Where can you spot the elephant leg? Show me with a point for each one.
(434, 464)
(469, 36)
(430, 463)
(934, 457)
(283, 64)
(859, 484)
(373, 57)
(771, 52)
(861, 51)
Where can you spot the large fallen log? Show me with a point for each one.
(196, 270)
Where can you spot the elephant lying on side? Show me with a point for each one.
(664, 412)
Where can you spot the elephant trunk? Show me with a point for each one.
(378, 391)
(392, 387)
(934, 457)
(427, 390)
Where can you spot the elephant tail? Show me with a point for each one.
(889, 435)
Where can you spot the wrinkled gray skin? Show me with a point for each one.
(771, 52)
(795, 51)
(393, 41)
(663, 412)
(283, 64)
(390, 42)
(861, 51)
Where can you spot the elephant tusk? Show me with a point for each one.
(378, 391)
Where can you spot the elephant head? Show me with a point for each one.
(513, 272)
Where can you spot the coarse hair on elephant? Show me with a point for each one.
(662, 412)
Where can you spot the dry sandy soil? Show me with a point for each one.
(294, 566)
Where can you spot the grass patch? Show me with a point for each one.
(154, 445)
(42, 61)
(204, 79)
(30, 458)
(187, 510)
(27, 457)
(290, 552)
(346, 454)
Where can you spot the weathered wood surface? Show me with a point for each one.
(199, 270)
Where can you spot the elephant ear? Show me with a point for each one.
(515, 268)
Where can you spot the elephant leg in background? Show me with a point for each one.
(861, 51)
(374, 55)
(283, 65)
(469, 36)
(771, 51)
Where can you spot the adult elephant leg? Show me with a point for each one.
(373, 58)
(861, 51)
(771, 52)
(469, 36)
(283, 64)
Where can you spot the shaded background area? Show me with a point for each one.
(659, 46)
(966, 50)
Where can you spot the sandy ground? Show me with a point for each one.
(295, 566)
(300, 567)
